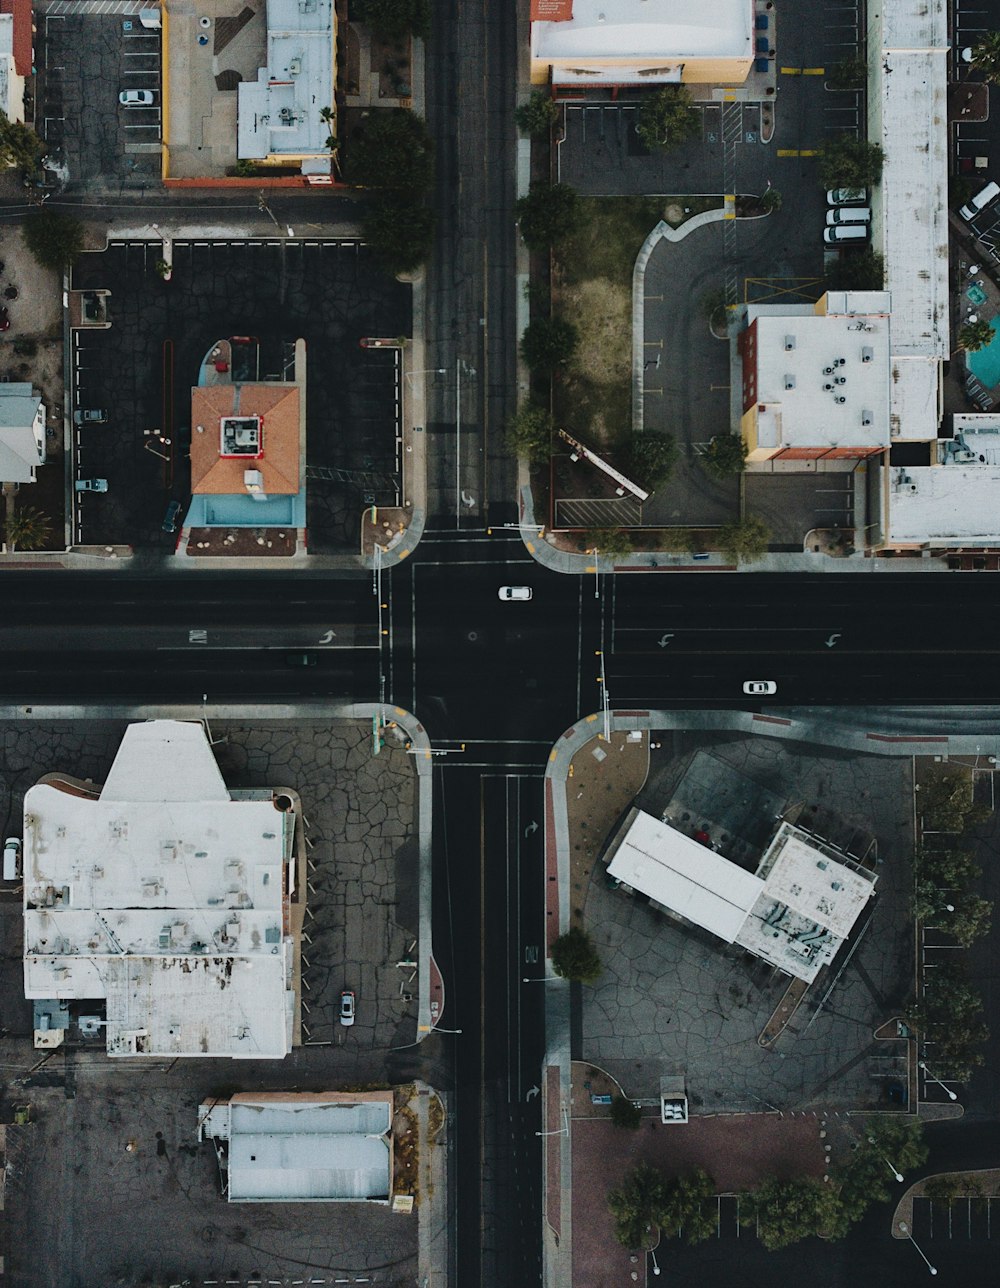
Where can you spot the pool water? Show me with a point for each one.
(976, 294)
(985, 363)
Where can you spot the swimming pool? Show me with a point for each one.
(985, 363)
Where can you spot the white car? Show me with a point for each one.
(515, 592)
(347, 1007)
(11, 858)
(91, 485)
(136, 98)
(846, 196)
(756, 687)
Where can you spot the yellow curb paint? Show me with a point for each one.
(403, 554)
(590, 568)
(552, 756)
(729, 215)
(530, 547)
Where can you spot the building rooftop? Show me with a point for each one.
(685, 876)
(957, 500)
(910, 205)
(639, 29)
(823, 379)
(235, 427)
(22, 432)
(304, 1147)
(166, 897)
(279, 113)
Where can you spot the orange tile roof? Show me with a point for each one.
(551, 10)
(278, 407)
(23, 57)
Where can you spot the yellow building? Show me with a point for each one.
(577, 43)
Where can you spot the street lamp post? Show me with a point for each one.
(656, 1268)
(560, 1131)
(905, 1230)
(541, 979)
(425, 371)
(947, 1090)
(897, 1175)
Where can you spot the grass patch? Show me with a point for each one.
(592, 285)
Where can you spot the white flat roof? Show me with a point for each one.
(641, 29)
(280, 111)
(306, 1148)
(849, 352)
(945, 504)
(688, 878)
(914, 393)
(813, 884)
(908, 116)
(165, 897)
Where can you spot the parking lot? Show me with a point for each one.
(87, 60)
(326, 292)
(115, 1136)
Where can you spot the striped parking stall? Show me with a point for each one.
(62, 8)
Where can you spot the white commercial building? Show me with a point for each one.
(908, 54)
(795, 911)
(22, 432)
(166, 896)
(303, 1147)
(955, 501)
(644, 42)
(279, 115)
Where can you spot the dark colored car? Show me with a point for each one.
(170, 518)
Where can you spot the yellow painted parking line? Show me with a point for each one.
(788, 152)
(813, 71)
(809, 152)
(791, 71)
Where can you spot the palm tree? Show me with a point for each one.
(973, 336)
(26, 528)
(986, 57)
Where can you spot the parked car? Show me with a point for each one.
(756, 687)
(848, 215)
(4, 319)
(136, 98)
(91, 485)
(845, 233)
(169, 523)
(522, 593)
(11, 858)
(980, 201)
(846, 196)
(90, 416)
(347, 1008)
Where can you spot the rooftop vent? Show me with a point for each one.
(789, 343)
(840, 399)
(866, 418)
(867, 354)
(789, 380)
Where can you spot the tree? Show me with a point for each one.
(946, 804)
(399, 231)
(26, 528)
(866, 1177)
(971, 919)
(666, 118)
(625, 1114)
(393, 19)
(55, 240)
(948, 1018)
(548, 214)
(529, 433)
(849, 73)
(677, 540)
(651, 459)
(860, 271)
(787, 1211)
(771, 200)
(850, 162)
(392, 151)
(744, 541)
(986, 57)
(574, 957)
(538, 114)
(686, 1207)
(612, 543)
(20, 146)
(946, 869)
(636, 1205)
(725, 456)
(973, 336)
(548, 343)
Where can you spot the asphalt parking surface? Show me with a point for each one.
(325, 292)
(85, 61)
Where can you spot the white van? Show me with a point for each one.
(980, 201)
(849, 215)
(11, 858)
(845, 233)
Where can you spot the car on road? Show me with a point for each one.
(756, 687)
(347, 1008)
(90, 416)
(11, 858)
(169, 523)
(846, 196)
(522, 593)
(91, 485)
(300, 659)
(136, 98)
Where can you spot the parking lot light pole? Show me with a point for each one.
(904, 1229)
(897, 1175)
(947, 1090)
(559, 1131)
